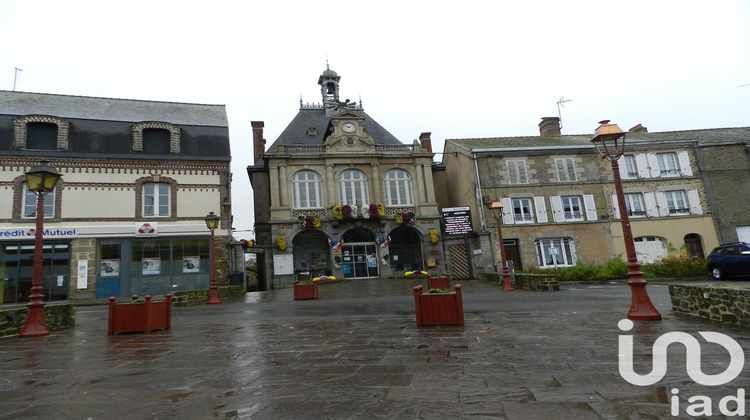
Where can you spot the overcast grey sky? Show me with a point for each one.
(457, 69)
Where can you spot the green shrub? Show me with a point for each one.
(673, 266)
(616, 268)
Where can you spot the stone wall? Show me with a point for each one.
(524, 281)
(56, 316)
(200, 297)
(730, 304)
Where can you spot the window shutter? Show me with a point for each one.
(557, 211)
(590, 206)
(661, 203)
(684, 160)
(650, 202)
(641, 163)
(512, 172)
(507, 211)
(541, 210)
(615, 206)
(653, 165)
(695, 202)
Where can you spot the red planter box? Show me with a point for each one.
(439, 282)
(438, 308)
(305, 291)
(140, 317)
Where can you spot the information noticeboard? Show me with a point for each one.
(283, 264)
(457, 220)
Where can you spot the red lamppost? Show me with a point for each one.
(212, 222)
(496, 208)
(610, 143)
(40, 179)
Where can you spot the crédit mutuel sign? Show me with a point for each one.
(138, 229)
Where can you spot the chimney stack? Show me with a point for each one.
(259, 143)
(549, 127)
(638, 129)
(425, 141)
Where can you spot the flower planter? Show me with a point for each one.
(305, 291)
(140, 317)
(439, 282)
(438, 308)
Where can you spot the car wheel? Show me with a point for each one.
(716, 273)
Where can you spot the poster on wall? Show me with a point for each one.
(191, 264)
(151, 265)
(110, 268)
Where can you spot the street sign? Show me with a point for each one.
(253, 250)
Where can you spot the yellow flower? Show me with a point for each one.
(338, 212)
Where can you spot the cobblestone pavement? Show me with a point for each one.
(356, 353)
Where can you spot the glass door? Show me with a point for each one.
(360, 260)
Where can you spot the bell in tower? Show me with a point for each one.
(329, 85)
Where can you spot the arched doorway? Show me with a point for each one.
(694, 245)
(406, 250)
(359, 254)
(311, 253)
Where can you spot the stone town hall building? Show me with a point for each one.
(338, 194)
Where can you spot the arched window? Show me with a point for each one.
(156, 200)
(353, 188)
(28, 208)
(306, 189)
(398, 190)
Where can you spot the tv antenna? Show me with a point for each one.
(561, 103)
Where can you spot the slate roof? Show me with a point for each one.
(704, 136)
(108, 109)
(315, 117)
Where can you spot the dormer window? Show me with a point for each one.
(156, 141)
(40, 132)
(156, 138)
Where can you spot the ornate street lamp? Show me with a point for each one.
(496, 208)
(610, 143)
(40, 179)
(212, 222)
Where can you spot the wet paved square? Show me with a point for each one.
(356, 353)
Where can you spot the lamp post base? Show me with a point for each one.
(34, 325)
(641, 308)
(507, 285)
(213, 295)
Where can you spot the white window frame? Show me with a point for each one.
(523, 210)
(28, 207)
(668, 164)
(398, 189)
(677, 202)
(565, 169)
(635, 205)
(628, 167)
(306, 190)
(517, 172)
(155, 198)
(566, 257)
(353, 188)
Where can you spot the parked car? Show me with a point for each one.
(729, 260)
